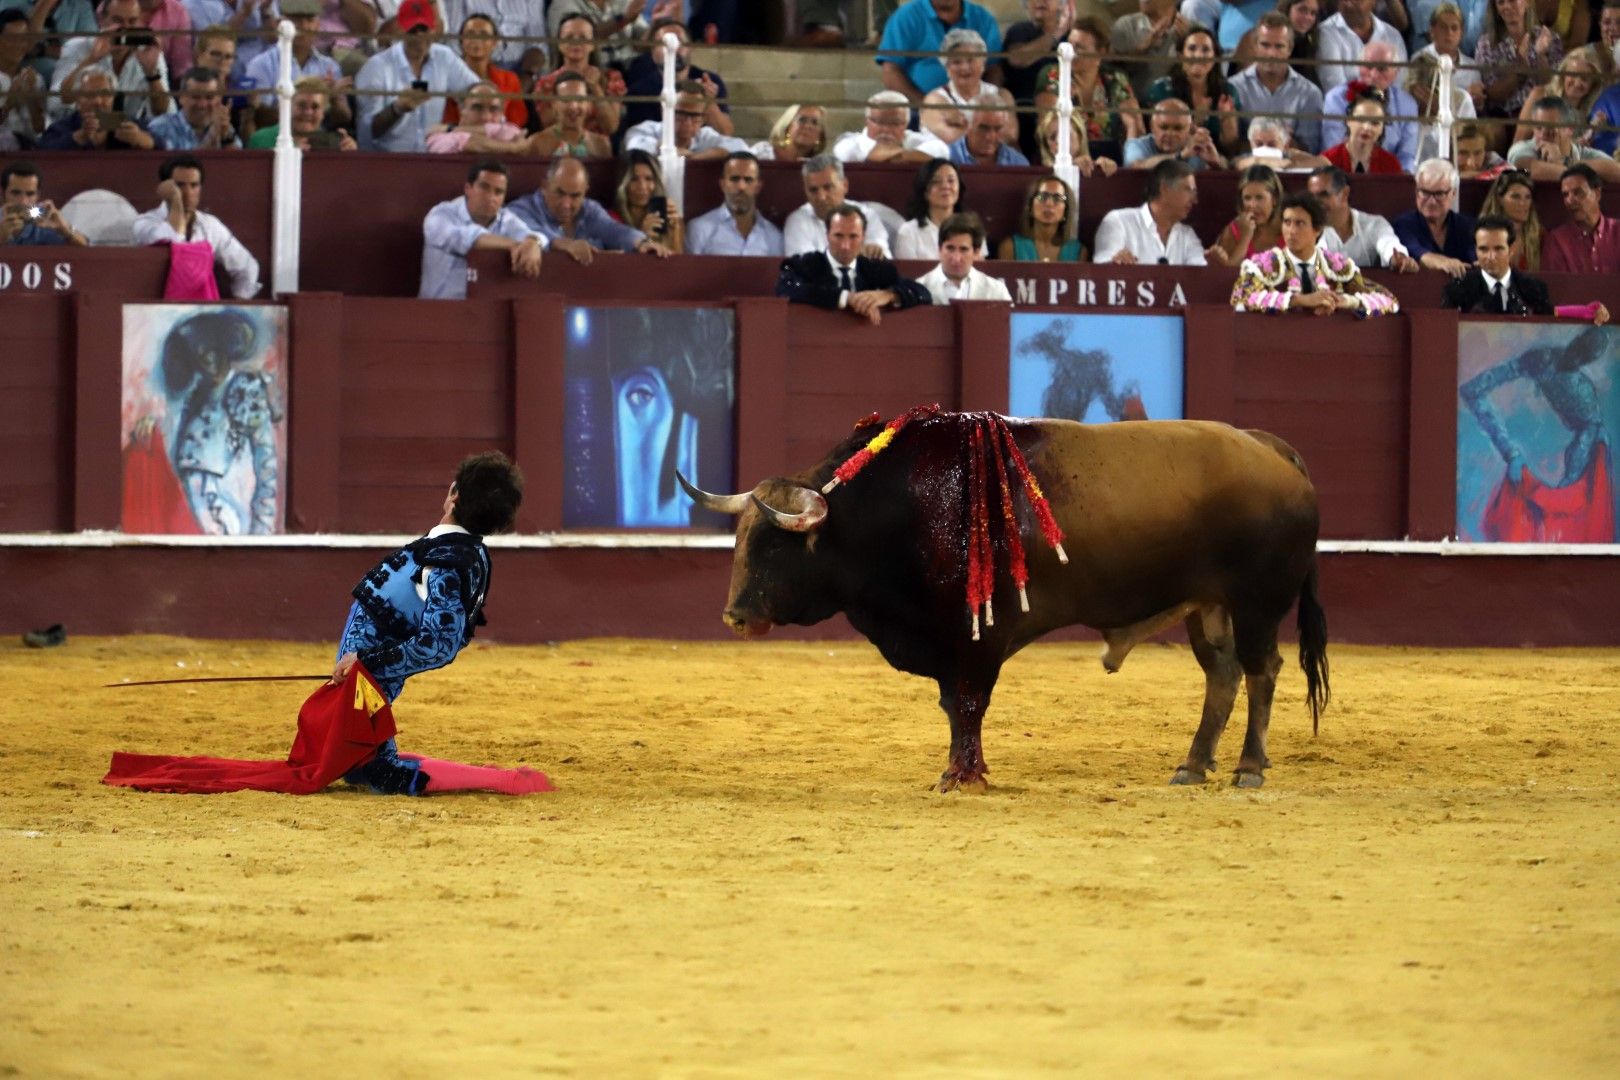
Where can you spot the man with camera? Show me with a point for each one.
(94, 124)
(127, 51)
(402, 89)
(24, 218)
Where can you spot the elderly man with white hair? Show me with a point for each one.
(825, 189)
(1439, 237)
(948, 111)
(1402, 132)
(1344, 36)
(885, 138)
(1270, 145)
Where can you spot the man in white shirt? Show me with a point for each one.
(127, 51)
(694, 139)
(419, 72)
(1342, 38)
(735, 227)
(826, 187)
(177, 219)
(1368, 239)
(479, 219)
(1154, 232)
(956, 278)
(308, 62)
(885, 137)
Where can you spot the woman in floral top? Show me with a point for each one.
(1101, 94)
(1195, 81)
(1514, 38)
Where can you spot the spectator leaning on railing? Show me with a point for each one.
(402, 88)
(1552, 148)
(1301, 275)
(840, 278)
(1368, 239)
(884, 136)
(1495, 287)
(1437, 236)
(575, 223)
(478, 219)
(482, 129)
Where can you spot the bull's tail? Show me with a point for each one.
(1313, 648)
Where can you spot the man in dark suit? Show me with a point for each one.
(1493, 287)
(842, 279)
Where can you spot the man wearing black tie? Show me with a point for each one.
(842, 279)
(1493, 287)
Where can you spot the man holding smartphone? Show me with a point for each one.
(402, 89)
(24, 218)
(127, 51)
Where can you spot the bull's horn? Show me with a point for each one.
(725, 504)
(809, 510)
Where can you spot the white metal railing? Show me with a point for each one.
(1063, 162)
(287, 191)
(670, 161)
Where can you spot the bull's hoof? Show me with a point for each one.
(1248, 779)
(971, 783)
(1185, 775)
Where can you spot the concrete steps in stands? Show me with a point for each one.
(762, 82)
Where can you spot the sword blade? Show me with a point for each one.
(216, 679)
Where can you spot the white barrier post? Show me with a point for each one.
(1063, 164)
(287, 192)
(670, 160)
(1443, 143)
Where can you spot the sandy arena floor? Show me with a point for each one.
(745, 873)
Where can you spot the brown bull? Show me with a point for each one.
(1163, 522)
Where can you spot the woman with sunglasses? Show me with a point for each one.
(1043, 232)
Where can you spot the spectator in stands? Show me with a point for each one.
(1423, 83)
(642, 203)
(956, 278)
(1258, 225)
(507, 24)
(617, 24)
(1437, 236)
(1079, 150)
(1447, 37)
(170, 15)
(1196, 80)
(1269, 146)
(402, 88)
(1172, 135)
(575, 223)
(216, 50)
(1514, 39)
(884, 136)
(1302, 275)
(985, 143)
(1345, 35)
(1149, 37)
(1102, 96)
(942, 113)
(243, 20)
(575, 38)
(1156, 231)
(1513, 196)
(1475, 158)
(694, 138)
(178, 219)
(55, 17)
(25, 218)
(1271, 86)
(1030, 45)
(1045, 232)
(826, 187)
(1360, 152)
(308, 62)
(1588, 243)
(479, 219)
(309, 130)
(799, 134)
(125, 50)
(1301, 16)
(1401, 110)
(93, 124)
(735, 227)
(936, 194)
(1496, 287)
(203, 121)
(1577, 82)
(920, 26)
(569, 135)
(1552, 148)
(480, 42)
(22, 97)
(1368, 239)
(483, 128)
(645, 78)
(841, 278)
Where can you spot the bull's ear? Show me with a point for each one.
(809, 511)
(724, 504)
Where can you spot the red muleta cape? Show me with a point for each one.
(1525, 509)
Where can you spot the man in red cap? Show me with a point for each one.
(402, 89)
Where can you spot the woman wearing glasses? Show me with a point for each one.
(1043, 232)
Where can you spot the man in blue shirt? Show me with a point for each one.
(982, 144)
(735, 227)
(24, 219)
(204, 120)
(575, 223)
(1434, 234)
(921, 26)
(478, 219)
